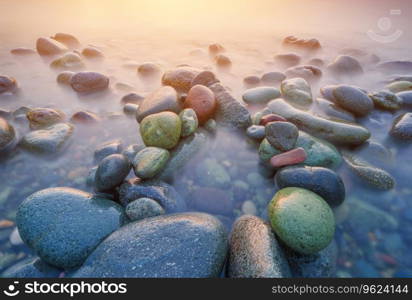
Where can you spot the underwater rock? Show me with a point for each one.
(332, 111)
(22, 51)
(222, 61)
(386, 100)
(44, 117)
(307, 72)
(256, 132)
(206, 78)
(132, 98)
(251, 81)
(210, 173)
(399, 86)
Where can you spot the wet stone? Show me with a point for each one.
(149, 161)
(89, 82)
(111, 172)
(48, 46)
(402, 127)
(282, 135)
(107, 148)
(353, 100)
(256, 132)
(143, 208)
(386, 100)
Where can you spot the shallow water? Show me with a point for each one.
(168, 34)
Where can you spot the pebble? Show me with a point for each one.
(205, 78)
(89, 82)
(334, 112)
(297, 91)
(399, 86)
(189, 121)
(142, 208)
(353, 100)
(67, 39)
(306, 44)
(215, 49)
(309, 73)
(150, 161)
(130, 109)
(287, 59)
(272, 78)
(132, 98)
(148, 69)
(180, 78)
(48, 46)
(251, 81)
(32, 267)
(282, 135)
(202, 100)
(345, 65)
(271, 118)
(65, 77)
(92, 53)
(7, 134)
(161, 130)
(7, 84)
(302, 220)
(402, 127)
(295, 156)
(106, 149)
(22, 51)
(386, 100)
(111, 172)
(260, 95)
(44, 117)
(222, 61)
(70, 61)
(256, 132)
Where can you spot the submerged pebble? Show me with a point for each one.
(7, 84)
(402, 127)
(260, 95)
(89, 82)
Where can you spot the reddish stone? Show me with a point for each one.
(271, 118)
(292, 157)
(202, 100)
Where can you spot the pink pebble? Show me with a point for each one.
(271, 118)
(292, 157)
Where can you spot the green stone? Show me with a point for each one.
(297, 91)
(150, 161)
(302, 220)
(189, 121)
(161, 130)
(399, 86)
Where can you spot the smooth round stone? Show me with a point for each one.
(386, 100)
(143, 208)
(345, 65)
(150, 161)
(395, 66)
(327, 92)
(162, 99)
(307, 72)
(189, 121)
(64, 225)
(205, 78)
(106, 149)
(222, 61)
(180, 78)
(332, 111)
(48, 46)
(22, 51)
(254, 251)
(211, 200)
(304, 44)
(406, 98)
(71, 61)
(291, 157)
(282, 135)
(202, 100)
(84, 117)
(264, 120)
(251, 80)
(132, 98)
(50, 140)
(7, 134)
(67, 39)
(161, 130)
(32, 267)
(215, 48)
(211, 173)
(130, 109)
(399, 86)
(44, 117)
(297, 91)
(272, 78)
(177, 246)
(322, 181)
(92, 52)
(402, 127)
(89, 82)
(256, 132)
(111, 172)
(65, 77)
(7, 84)
(287, 60)
(353, 100)
(260, 95)
(148, 69)
(302, 220)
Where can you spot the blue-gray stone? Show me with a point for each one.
(111, 172)
(179, 245)
(106, 149)
(32, 267)
(64, 225)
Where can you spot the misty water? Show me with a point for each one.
(174, 34)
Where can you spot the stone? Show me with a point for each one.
(111, 172)
(130, 109)
(69, 61)
(48, 46)
(177, 246)
(251, 81)
(272, 78)
(157, 190)
(305, 44)
(386, 100)
(131, 151)
(65, 77)
(189, 121)
(395, 66)
(7, 84)
(230, 112)
(322, 181)
(402, 127)
(335, 132)
(210, 200)
(44, 117)
(163, 99)
(307, 72)
(49, 140)
(67, 39)
(406, 98)
(353, 100)
(84, 117)
(256, 132)
(22, 51)
(291, 157)
(373, 176)
(260, 95)
(215, 48)
(64, 225)
(302, 220)
(211, 173)
(210, 126)
(143, 208)
(92, 53)
(106, 149)
(180, 78)
(7, 134)
(202, 100)
(89, 82)
(32, 267)
(345, 65)
(222, 61)
(249, 208)
(282, 135)
(327, 92)
(399, 86)
(334, 112)
(297, 91)
(148, 69)
(264, 120)
(287, 59)
(205, 78)
(161, 130)
(254, 251)
(150, 161)
(132, 98)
